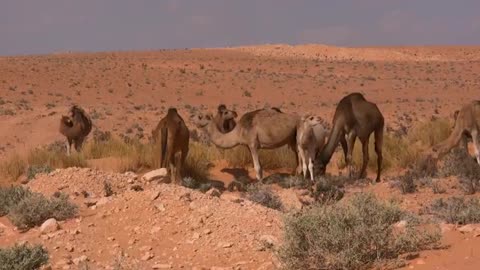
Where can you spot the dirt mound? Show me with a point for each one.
(163, 226)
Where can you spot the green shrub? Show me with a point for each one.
(353, 234)
(33, 170)
(11, 196)
(23, 257)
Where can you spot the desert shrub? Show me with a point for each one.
(293, 181)
(406, 182)
(459, 163)
(11, 196)
(21, 257)
(33, 170)
(198, 162)
(33, 210)
(13, 167)
(456, 210)
(354, 234)
(263, 195)
(107, 189)
(329, 189)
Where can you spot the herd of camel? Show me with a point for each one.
(308, 135)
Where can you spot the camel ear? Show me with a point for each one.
(234, 114)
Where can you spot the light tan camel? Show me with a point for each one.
(311, 135)
(174, 139)
(355, 117)
(259, 129)
(75, 127)
(225, 119)
(467, 124)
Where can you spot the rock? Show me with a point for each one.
(161, 266)
(154, 195)
(147, 256)
(90, 202)
(80, 259)
(268, 240)
(213, 192)
(69, 248)
(467, 228)
(420, 262)
(160, 207)
(225, 245)
(401, 224)
(444, 227)
(103, 201)
(49, 226)
(155, 175)
(155, 230)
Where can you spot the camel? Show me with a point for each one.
(75, 127)
(465, 136)
(174, 140)
(311, 135)
(467, 124)
(355, 117)
(225, 119)
(259, 129)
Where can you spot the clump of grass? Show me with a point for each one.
(329, 189)
(45, 157)
(263, 195)
(355, 234)
(240, 156)
(13, 167)
(27, 209)
(11, 196)
(430, 133)
(456, 210)
(21, 257)
(198, 162)
(107, 189)
(406, 183)
(33, 170)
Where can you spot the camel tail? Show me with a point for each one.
(163, 143)
(444, 147)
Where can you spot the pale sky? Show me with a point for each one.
(45, 26)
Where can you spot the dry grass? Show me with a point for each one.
(20, 257)
(430, 133)
(13, 167)
(270, 159)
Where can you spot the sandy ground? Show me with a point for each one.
(123, 89)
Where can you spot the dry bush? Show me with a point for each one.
(240, 156)
(329, 189)
(13, 167)
(456, 210)
(430, 133)
(397, 153)
(459, 163)
(355, 234)
(10, 196)
(53, 159)
(263, 195)
(22, 257)
(27, 209)
(33, 170)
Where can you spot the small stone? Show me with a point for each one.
(90, 202)
(196, 236)
(268, 240)
(467, 228)
(69, 248)
(155, 175)
(103, 201)
(155, 230)
(401, 224)
(226, 245)
(154, 195)
(207, 231)
(160, 207)
(49, 226)
(213, 192)
(147, 256)
(420, 262)
(80, 259)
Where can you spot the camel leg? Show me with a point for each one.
(343, 143)
(256, 162)
(178, 167)
(363, 172)
(352, 136)
(293, 146)
(182, 160)
(68, 144)
(476, 146)
(301, 158)
(311, 157)
(378, 150)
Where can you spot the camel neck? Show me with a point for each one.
(222, 140)
(332, 143)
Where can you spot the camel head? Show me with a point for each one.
(67, 121)
(225, 113)
(311, 120)
(200, 120)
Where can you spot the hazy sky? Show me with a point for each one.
(44, 26)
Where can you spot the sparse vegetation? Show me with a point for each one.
(456, 210)
(261, 194)
(22, 257)
(33, 170)
(355, 234)
(27, 209)
(12, 167)
(459, 163)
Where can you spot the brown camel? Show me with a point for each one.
(174, 139)
(466, 135)
(225, 119)
(75, 127)
(467, 124)
(259, 129)
(355, 117)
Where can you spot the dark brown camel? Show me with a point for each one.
(354, 117)
(174, 139)
(75, 127)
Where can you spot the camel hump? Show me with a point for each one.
(172, 110)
